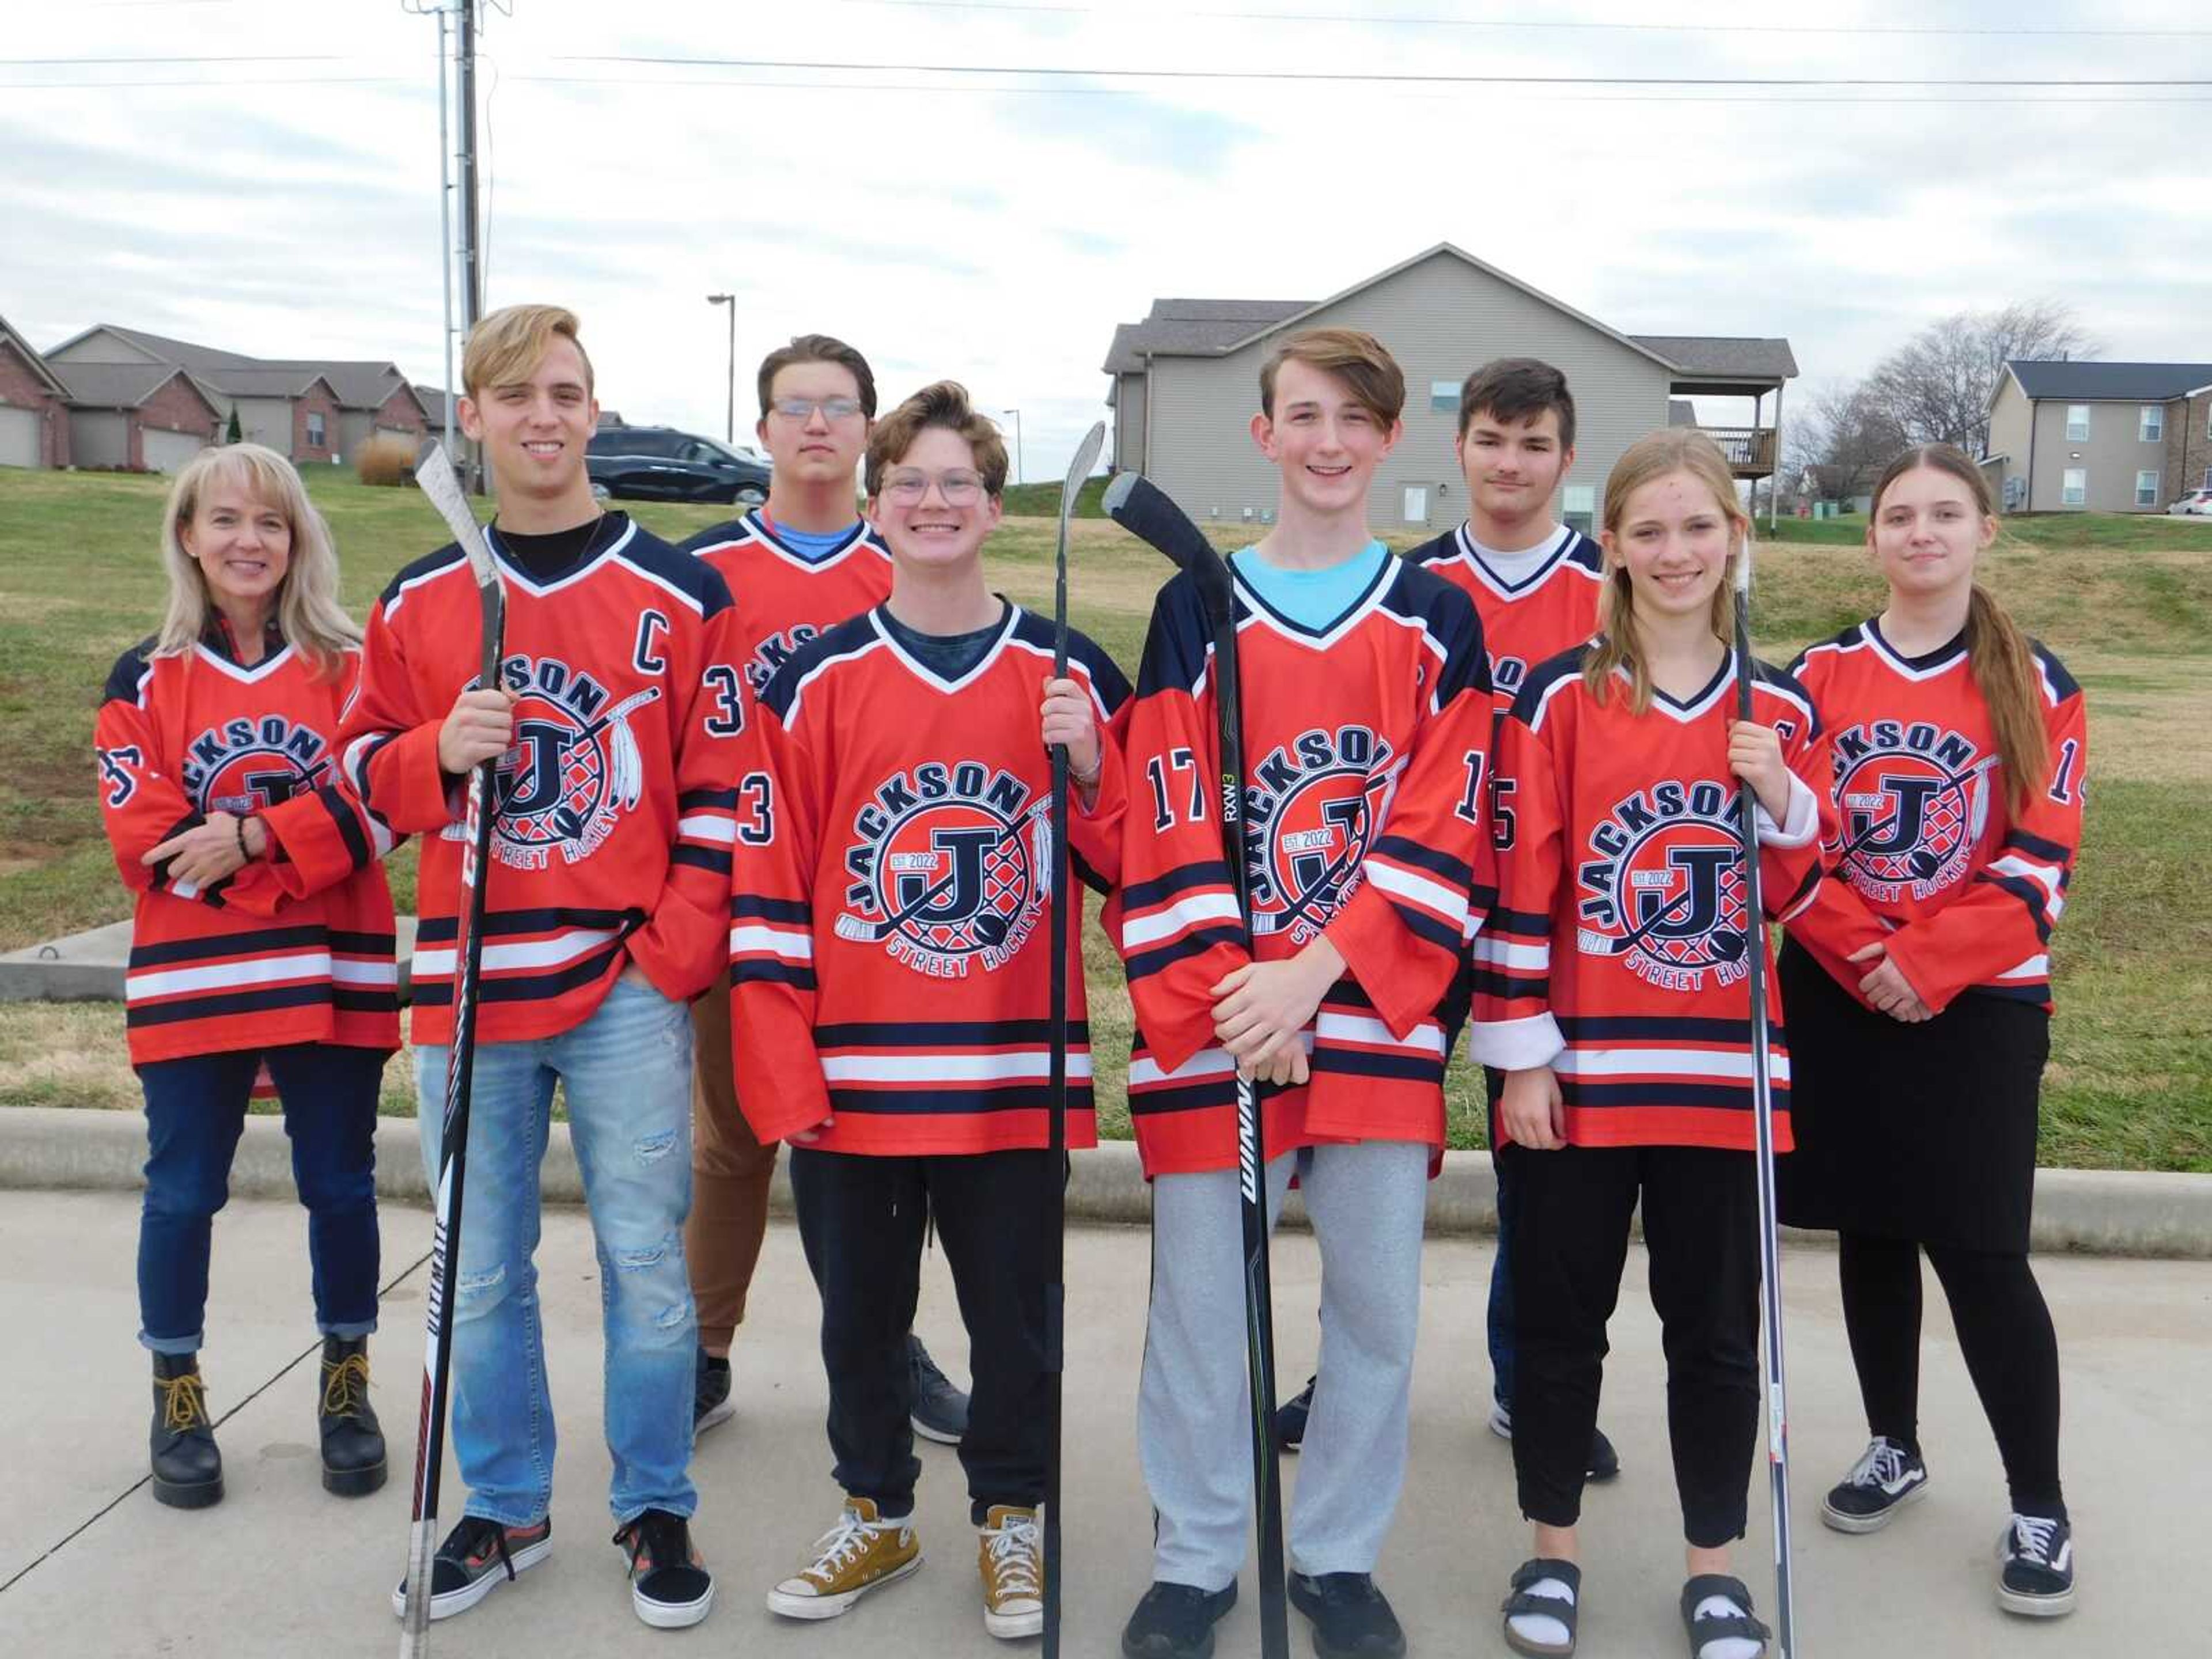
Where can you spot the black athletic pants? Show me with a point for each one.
(2004, 1333)
(861, 1220)
(1701, 1231)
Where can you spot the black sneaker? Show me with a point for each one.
(710, 1392)
(2036, 1570)
(669, 1585)
(1879, 1483)
(1351, 1618)
(1175, 1621)
(477, 1557)
(940, 1411)
(1291, 1417)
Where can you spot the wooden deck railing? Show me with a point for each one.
(1749, 449)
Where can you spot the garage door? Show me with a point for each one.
(19, 437)
(168, 451)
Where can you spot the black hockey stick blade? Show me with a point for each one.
(1145, 510)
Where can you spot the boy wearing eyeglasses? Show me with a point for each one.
(799, 564)
(889, 931)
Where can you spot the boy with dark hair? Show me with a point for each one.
(803, 561)
(1366, 717)
(888, 926)
(615, 753)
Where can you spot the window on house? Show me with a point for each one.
(1443, 395)
(1579, 506)
(2074, 487)
(2150, 423)
(2077, 423)
(2147, 489)
(314, 429)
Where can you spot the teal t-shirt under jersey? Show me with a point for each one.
(1312, 599)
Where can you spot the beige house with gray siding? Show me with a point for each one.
(1186, 383)
(2075, 437)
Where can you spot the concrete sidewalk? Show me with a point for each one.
(99, 1569)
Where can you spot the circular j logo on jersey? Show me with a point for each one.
(1665, 892)
(950, 879)
(1909, 821)
(572, 769)
(1309, 847)
(248, 766)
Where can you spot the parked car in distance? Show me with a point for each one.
(659, 462)
(2197, 503)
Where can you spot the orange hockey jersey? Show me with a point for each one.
(1366, 746)
(294, 947)
(616, 812)
(784, 599)
(1928, 858)
(1544, 603)
(1616, 955)
(890, 911)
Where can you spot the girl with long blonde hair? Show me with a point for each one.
(1611, 990)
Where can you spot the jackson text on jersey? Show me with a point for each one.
(250, 764)
(1663, 890)
(573, 766)
(944, 865)
(1914, 798)
(1312, 809)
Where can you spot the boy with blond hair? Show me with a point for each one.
(606, 902)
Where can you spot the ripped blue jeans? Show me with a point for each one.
(626, 1073)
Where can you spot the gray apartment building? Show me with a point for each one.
(2073, 437)
(1185, 383)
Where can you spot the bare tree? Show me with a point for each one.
(1936, 387)
(1848, 436)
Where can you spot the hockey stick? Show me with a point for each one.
(1140, 508)
(1055, 1289)
(435, 473)
(1770, 1240)
(1727, 946)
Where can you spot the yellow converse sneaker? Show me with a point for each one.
(861, 1552)
(1010, 1554)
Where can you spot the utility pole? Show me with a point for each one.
(446, 219)
(471, 276)
(1017, 413)
(730, 420)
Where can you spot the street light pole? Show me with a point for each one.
(730, 432)
(1017, 413)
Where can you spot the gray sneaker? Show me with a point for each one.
(938, 1411)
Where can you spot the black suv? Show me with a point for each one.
(659, 462)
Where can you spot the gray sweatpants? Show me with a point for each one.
(1193, 1423)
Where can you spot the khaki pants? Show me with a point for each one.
(730, 1176)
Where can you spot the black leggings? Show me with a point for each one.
(2004, 1333)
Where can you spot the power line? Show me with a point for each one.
(1405, 20)
(1393, 77)
(940, 89)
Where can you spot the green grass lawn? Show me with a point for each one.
(2125, 601)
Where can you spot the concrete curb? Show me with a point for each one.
(2092, 1212)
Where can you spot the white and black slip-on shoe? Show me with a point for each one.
(477, 1557)
(670, 1587)
(2035, 1567)
(1883, 1481)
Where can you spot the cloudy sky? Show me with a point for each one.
(263, 175)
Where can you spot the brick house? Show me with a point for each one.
(34, 428)
(146, 417)
(310, 410)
